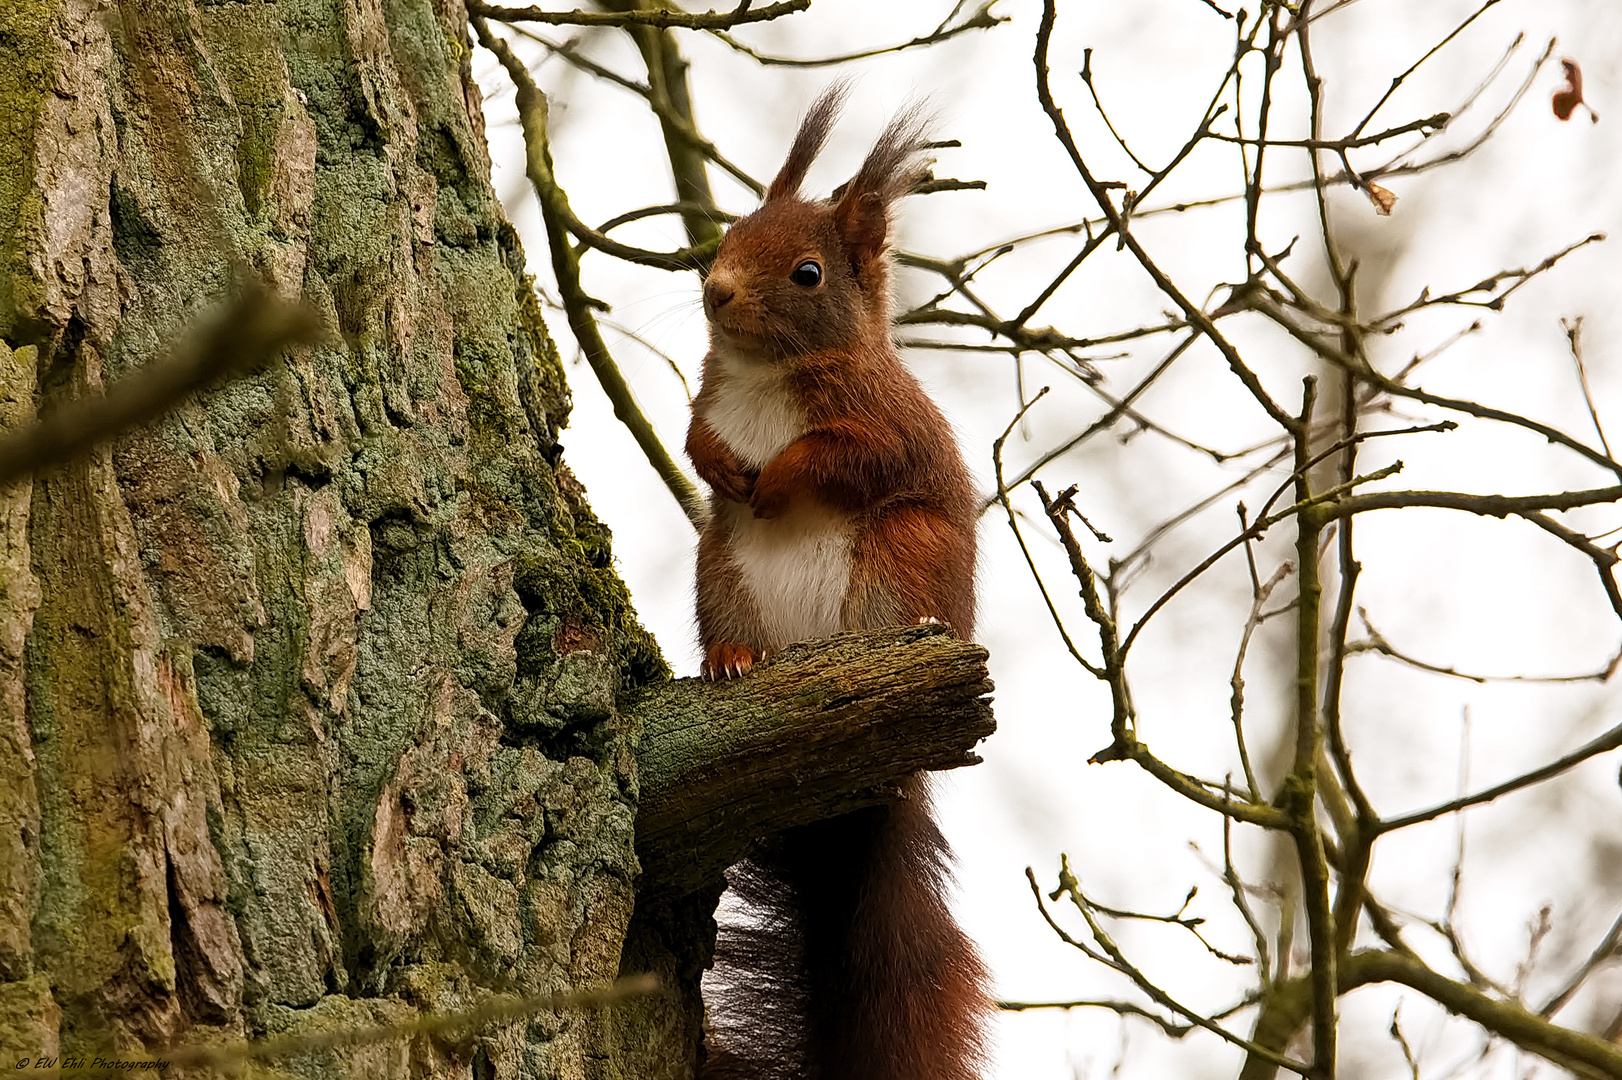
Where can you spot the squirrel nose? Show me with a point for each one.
(718, 294)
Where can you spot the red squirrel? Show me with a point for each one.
(840, 502)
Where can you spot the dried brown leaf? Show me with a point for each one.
(1382, 199)
(1569, 96)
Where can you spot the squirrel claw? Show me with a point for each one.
(728, 660)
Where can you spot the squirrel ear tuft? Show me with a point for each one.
(896, 164)
(808, 141)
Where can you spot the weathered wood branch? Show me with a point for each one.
(821, 729)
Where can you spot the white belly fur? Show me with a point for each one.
(796, 567)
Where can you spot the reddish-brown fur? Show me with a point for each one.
(840, 502)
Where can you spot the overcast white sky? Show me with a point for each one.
(1482, 595)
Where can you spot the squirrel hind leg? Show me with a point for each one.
(912, 565)
(730, 628)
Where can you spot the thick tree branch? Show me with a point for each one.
(494, 1010)
(823, 728)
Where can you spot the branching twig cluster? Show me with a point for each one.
(1319, 803)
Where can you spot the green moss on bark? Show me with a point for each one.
(26, 62)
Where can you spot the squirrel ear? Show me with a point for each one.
(863, 221)
(808, 141)
(893, 168)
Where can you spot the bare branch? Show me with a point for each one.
(1397, 82)
(673, 121)
(1376, 642)
(1117, 960)
(1603, 953)
(532, 114)
(582, 322)
(1100, 193)
(660, 17)
(1349, 142)
(1124, 1008)
(1019, 538)
(982, 19)
(1260, 594)
(1603, 744)
(1574, 332)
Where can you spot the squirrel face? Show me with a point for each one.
(784, 285)
(798, 277)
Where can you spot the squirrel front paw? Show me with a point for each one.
(736, 484)
(728, 660)
(769, 499)
(718, 466)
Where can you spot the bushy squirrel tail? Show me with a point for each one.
(850, 966)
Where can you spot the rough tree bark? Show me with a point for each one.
(320, 700)
(309, 690)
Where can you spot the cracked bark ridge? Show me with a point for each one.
(823, 728)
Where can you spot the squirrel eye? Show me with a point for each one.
(808, 275)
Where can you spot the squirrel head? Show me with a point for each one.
(799, 276)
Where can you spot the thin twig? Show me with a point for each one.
(1019, 538)
(982, 19)
(582, 322)
(1375, 642)
(498, 1009)
(1122, 408)
(659, 17)
(1397, 82)
(1604, 743)
(1603, 953)
(1574, 332)
(1123, 1008)
(1261, 592)
(241, 336)
(672, 120)
(1236, 887)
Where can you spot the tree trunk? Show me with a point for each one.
(308, 691)
(320, 701)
